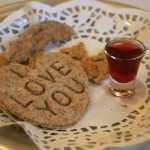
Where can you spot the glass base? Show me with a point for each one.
(121, 89)
(120, 93)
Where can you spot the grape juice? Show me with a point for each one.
(124, 57)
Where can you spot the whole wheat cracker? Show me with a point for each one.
(53, 94)
(33, 40)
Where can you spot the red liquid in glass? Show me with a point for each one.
(125, 67)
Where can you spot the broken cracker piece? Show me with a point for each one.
(76, 52)
(34, 39)
(95, 67)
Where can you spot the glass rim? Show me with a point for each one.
(134, 58)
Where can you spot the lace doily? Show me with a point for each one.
(109, 121)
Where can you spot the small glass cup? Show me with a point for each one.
(124, 56)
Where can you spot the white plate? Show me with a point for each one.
(109, 121)
(16, 140)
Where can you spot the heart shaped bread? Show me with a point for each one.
(53, 94)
